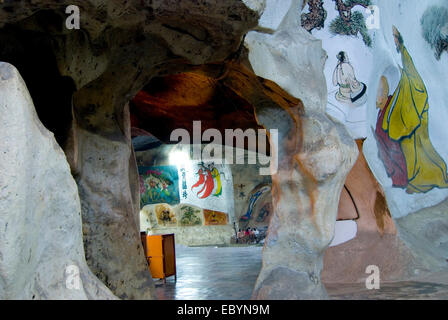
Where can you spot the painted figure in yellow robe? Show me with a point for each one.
(406, 121)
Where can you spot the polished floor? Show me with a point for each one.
(211, 273)
(229, 273)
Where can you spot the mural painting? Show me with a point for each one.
(148, 220)
(389, 151)
(190, 216)
(351, 91)
(165, 215)
(253, 200)
(348, 21)
(345, 28)
(209, 181)
(207, 185)
(158, 185)
(351, 22)
(214, 218)
(402, 131)
(264, 213)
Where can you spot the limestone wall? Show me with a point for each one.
(41, 248)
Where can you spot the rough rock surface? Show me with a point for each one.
(291, 57)
(376, 231)
(315, 155)
(425, 232)
(306, 191)
(39, 206)
(120, 47)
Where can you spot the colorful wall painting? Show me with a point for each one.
(256, 194)
(391, 164)
(215, 218)
(402, 134)
(389, 151)
(207, 185)
(190, 216)
(166, 215)
(209, 181)
(158, 185)
(349, 21)
(347, 94)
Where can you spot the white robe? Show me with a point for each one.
(349, 87)
(344, 75)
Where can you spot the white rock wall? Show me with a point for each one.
(40, 216)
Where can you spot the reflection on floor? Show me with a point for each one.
(229, 273)
(210, 273)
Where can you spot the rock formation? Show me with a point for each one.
(119, 48)
(41, 249)
(314, 156)
(253, 54)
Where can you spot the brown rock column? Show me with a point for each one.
(106, 175)
(315, 155)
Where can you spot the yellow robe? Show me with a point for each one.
(406, 121)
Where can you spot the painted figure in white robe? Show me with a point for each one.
(351, 91)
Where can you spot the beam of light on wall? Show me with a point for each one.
(179, 158)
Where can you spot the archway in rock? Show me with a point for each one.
(363, 204)
(173, 102)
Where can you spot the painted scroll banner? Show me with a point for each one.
(207, 185)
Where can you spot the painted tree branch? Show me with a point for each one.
(351, 23)
(345, 8)
(315, 18)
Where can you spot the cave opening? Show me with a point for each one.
(30, 47)
(216, 201)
